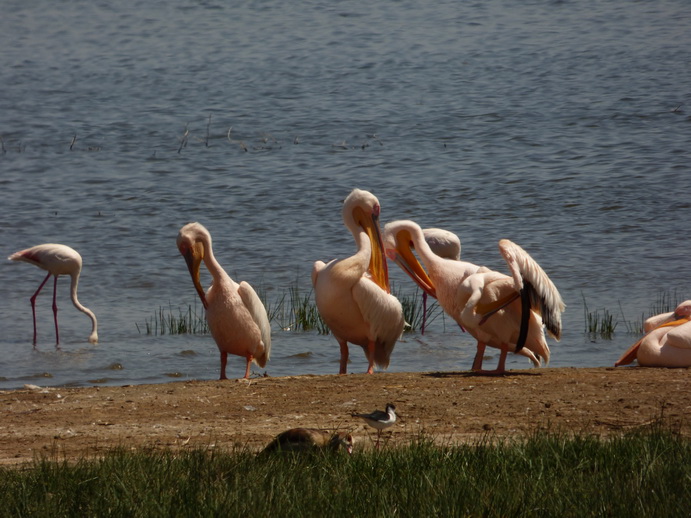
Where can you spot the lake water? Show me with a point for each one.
(563, 126)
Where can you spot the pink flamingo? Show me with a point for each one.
(57, 260)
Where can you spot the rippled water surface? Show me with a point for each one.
(564, 126)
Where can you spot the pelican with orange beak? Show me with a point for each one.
(667, 342)
(353, 295)
(501, 311)
(236, 316)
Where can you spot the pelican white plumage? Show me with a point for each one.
(237, 318)
(505, 312)
(352, 294)
(667, 342)
(445, 244)
(57, 260)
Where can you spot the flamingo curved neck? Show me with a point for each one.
(93, 337)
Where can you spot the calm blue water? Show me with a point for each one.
(564, 126)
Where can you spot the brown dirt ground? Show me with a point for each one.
(450, 407)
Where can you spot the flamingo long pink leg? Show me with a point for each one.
(55, 310)
(33, 303)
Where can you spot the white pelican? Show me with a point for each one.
(380, 419)
(310, 440)
(506, 312)
(57, 260)
(667, 342)
(445, 244)
(236, 316)
(352, 294)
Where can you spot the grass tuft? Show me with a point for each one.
(598, 324)
(304, 313)
(167, 322)
(413, 309)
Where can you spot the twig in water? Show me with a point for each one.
(183, 139)
(374, 137)
(240, 142)
(208, 125)
(74, 139)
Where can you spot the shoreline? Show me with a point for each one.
(450, 407)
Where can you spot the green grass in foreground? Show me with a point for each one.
(642, 474)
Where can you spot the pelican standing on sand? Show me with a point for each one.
(445, 244)
(505, 312)
(57, 260)
(236, 316)
(352, 294)
(667, 342)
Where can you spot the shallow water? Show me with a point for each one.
(562, 126)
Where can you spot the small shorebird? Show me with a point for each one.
(310, 440)
(380, 420)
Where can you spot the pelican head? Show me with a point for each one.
(683, 310)
(192, 241)
(400, 238)
(361, 211)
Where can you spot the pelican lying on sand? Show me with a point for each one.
(667, 342)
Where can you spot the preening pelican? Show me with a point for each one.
(236, 316)
(667, 342)
(445, 244)
(352, 294)
(506, 312)
(57, 260)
